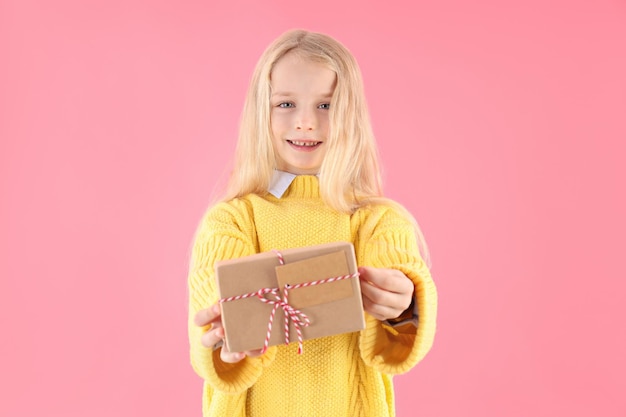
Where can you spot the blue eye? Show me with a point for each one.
(285, 105)
(324, 106)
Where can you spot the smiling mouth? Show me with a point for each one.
(306, 144)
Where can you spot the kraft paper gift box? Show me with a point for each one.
(330, 307)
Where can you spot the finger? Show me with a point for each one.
(388, 279)
(254, 353)
(231, 357)
(212, 337)
(378, 311)
(207, 316)
(383, 297)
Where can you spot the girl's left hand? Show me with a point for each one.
(387, 293)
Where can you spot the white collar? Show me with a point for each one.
(281, 180)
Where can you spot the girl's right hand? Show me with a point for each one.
(215, 335)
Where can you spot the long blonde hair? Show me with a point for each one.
(350, 175)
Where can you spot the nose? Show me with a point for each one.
(306, 120)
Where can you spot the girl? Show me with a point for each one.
(306, 172)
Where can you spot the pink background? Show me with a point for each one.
(501, 126)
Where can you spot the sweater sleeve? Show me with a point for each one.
(226, 232)
(388, 240)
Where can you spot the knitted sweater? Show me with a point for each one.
(342, 375)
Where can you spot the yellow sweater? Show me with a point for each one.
(343, 375)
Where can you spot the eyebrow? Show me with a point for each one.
(290, 94)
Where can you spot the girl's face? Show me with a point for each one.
(301, 93)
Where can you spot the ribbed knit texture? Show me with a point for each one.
(343, 375)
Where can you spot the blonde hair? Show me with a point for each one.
(350, 175)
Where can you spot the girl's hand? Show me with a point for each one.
(215, 335)
(386, 293)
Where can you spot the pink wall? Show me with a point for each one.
(501, 126)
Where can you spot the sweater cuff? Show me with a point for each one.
(235, 378)
(395, 350)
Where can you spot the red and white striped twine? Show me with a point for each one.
(297, 317)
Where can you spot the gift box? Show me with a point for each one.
(288, 296)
